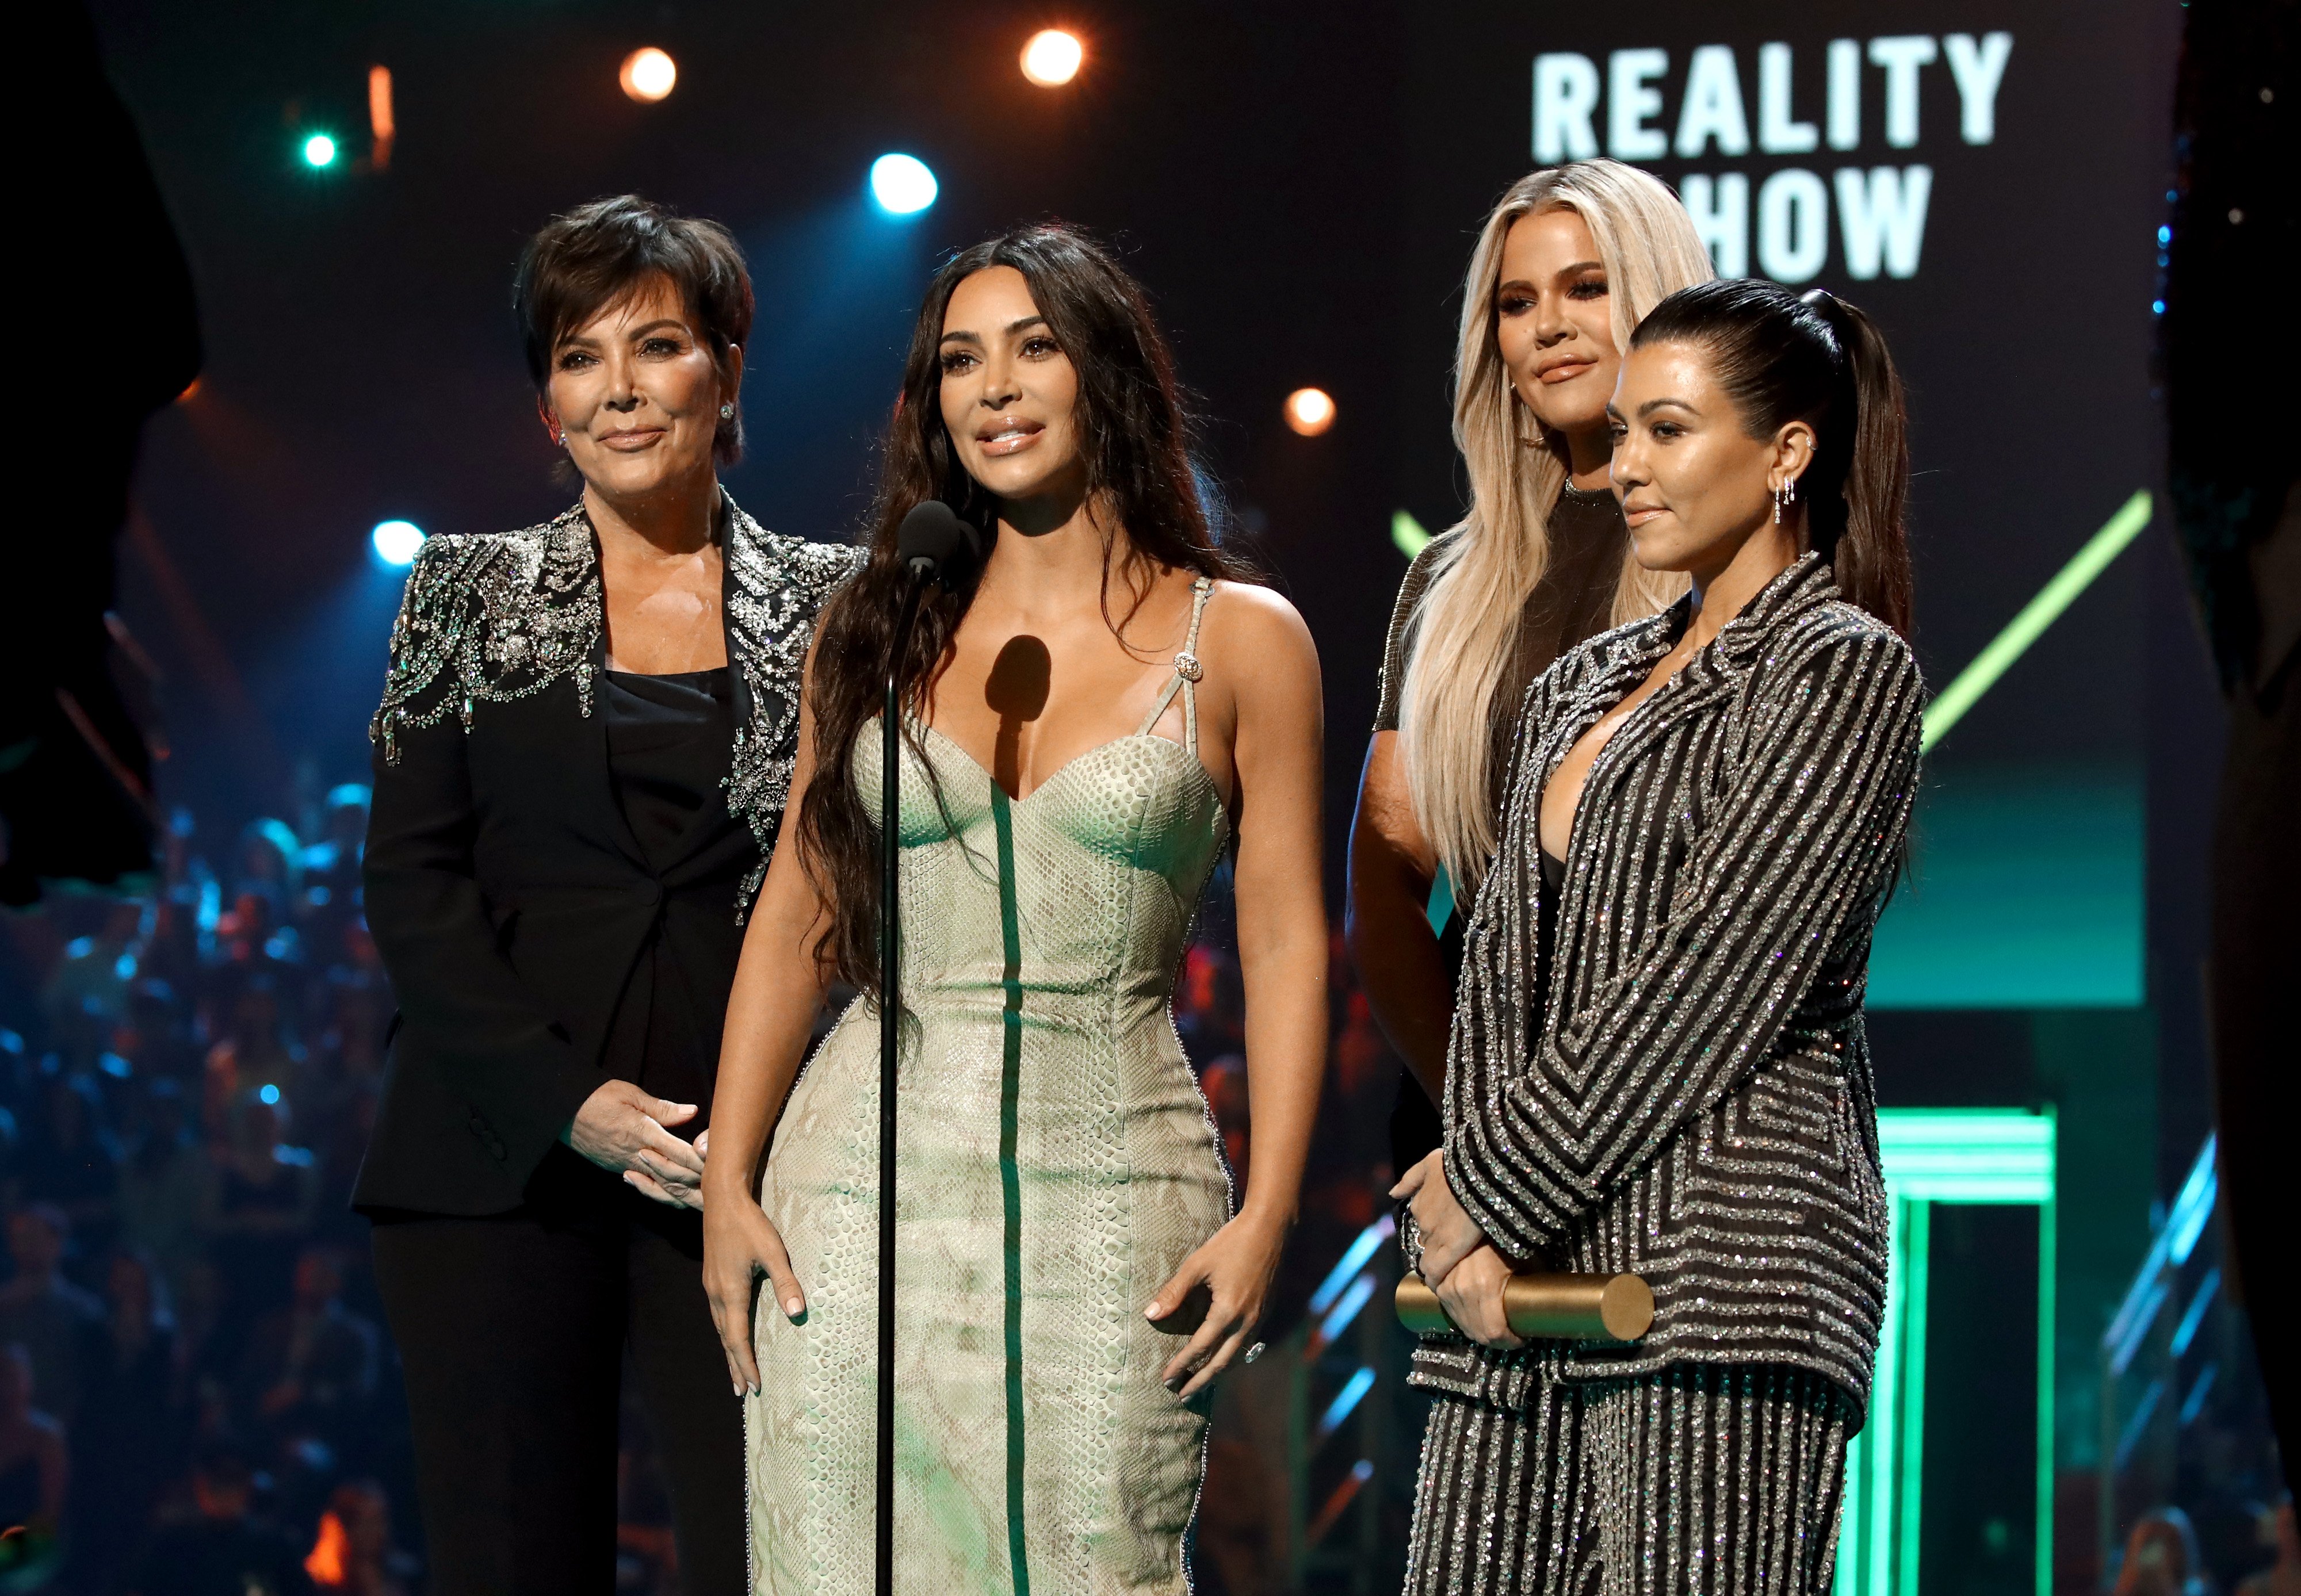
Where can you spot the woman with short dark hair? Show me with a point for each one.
(582, 758)
(1658, 1064)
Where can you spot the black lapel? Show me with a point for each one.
(587, 775)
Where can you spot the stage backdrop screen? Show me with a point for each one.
(1987, 181)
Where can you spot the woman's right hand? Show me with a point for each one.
(740, 1244)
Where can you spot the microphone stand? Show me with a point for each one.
(891, 746)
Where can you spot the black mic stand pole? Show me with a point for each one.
(890, 753)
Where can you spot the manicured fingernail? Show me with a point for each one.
(791, 1306)
(1174, 1385)
(1154, 1311)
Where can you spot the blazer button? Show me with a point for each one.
(651, 893)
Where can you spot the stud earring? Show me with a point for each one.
(726, 413)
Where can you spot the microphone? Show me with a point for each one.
(931, 538)
(928, 544)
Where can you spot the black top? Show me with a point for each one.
(668, 753)
(1574, 600)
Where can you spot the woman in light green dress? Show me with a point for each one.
(1092, 717)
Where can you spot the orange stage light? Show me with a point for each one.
(1309, 411)
(649, 74)
(1053, 58)
(330, 1559)
(381, 127)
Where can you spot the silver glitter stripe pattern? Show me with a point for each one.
(490, 618)
(1695, 1105)
(1694, 1481)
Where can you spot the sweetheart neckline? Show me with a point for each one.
(1197, 764)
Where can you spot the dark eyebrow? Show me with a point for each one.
(1015, 326)
(578, 338)
(1650, 406)
(1583, 266)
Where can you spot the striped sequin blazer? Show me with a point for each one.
(1694, 1102)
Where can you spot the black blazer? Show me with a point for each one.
(506, 893)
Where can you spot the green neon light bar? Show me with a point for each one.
(1406, 533)
(1931, 1156)
(2041, 612)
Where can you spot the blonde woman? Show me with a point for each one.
(1570, 259)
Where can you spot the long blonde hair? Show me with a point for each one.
(1486, 564)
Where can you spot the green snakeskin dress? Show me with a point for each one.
(1057, 1164)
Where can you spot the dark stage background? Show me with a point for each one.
(1299, 187)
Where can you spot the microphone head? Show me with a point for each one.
(934, 533)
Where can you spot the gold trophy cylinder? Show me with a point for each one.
(1575, 1307)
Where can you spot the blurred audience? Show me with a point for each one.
(2283, 1576)
(33, 1471)
(354, 1553)
(52, 1321)
(223, 1547)
(186, 1082)
(2160, 1558)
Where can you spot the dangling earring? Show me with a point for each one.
(1777, 504)
(726, 413)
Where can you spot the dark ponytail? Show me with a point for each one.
(1783, 357)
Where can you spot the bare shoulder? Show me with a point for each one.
(1247, 623)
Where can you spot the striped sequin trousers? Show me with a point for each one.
(1698, 1481)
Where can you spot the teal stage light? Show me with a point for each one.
(318, 150)
(902, 185)
(397, 541)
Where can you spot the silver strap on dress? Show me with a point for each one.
(1187, 672)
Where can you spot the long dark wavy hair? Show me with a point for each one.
(1783, 357)
(1135, 435)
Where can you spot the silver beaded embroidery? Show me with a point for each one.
(1693, 1482)
(491, 618)
(781, 584)
(1695, 1105)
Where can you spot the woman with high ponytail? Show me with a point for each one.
(1658, 1065)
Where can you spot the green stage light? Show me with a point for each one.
(1941, 1156)
(318, 150)
(2041, 612)
(1407, 534)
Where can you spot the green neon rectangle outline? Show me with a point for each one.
(1885, 1462)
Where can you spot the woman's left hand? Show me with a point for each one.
(1449, 1233)
(1234, 1270)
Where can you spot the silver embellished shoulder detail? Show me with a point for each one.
(489, 618)
(780, 585)
(493, 617)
